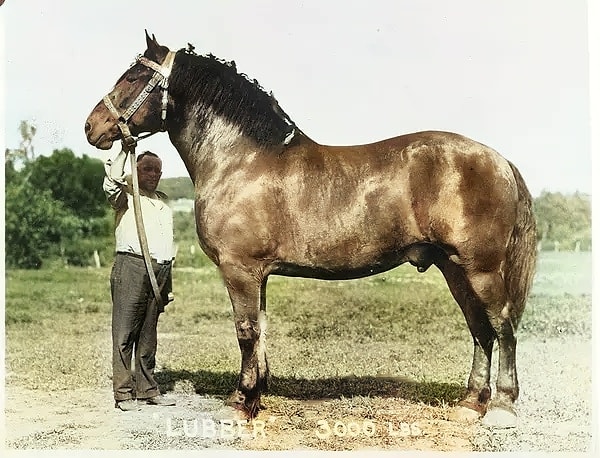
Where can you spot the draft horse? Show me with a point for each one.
(270, 200)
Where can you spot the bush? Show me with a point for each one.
(36, 225)
(80, 252)
(56, 211)
(74, 181)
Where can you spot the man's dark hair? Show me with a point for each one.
(146, 153)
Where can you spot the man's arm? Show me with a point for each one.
(114, 182)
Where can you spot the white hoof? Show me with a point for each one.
(463, 415)
(500, 418)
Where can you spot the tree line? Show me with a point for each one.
(56, 211)
(564, 222)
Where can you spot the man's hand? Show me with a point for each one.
(116, 167)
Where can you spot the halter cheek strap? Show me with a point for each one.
(161, 78)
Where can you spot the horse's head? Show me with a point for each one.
(135, 104)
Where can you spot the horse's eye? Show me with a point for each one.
(131, 78)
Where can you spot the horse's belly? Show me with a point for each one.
(338, 272)
(420, 254)
(327, 255)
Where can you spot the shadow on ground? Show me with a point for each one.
(223, 383)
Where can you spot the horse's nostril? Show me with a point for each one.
(87, 126)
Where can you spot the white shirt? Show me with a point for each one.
(157, 216)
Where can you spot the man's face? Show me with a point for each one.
(149, 170)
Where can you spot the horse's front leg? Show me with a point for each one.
(247, 293)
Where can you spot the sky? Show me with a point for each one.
(512, 74)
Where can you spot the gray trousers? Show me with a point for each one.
(134, 320)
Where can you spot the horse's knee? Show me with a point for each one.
(247, 330)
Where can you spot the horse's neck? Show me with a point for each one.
(205, 144)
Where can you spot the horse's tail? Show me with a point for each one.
(522, 249)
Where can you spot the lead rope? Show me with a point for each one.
(129, 145)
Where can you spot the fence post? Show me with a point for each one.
(97, 259)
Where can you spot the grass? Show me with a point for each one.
(397, 324)
(322, 336)
(33, 296)
(327, 331)
(390, 341)
(560, 302)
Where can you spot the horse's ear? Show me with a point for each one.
(152, 44)
(151, 41)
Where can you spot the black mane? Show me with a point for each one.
(217, 85)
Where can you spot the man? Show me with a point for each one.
(135, 310)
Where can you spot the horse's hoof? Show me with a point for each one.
(463, 414)
(498, 417)
(230, 413)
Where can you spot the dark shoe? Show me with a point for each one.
(127, 405)
(160, 401)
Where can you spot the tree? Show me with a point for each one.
(25, 152)
(74, 181)
(36, 225)
(563, 220)
(55, 206)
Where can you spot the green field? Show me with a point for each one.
(360, 342)
(400, 323)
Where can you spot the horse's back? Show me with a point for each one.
(429, 155)
(436, 172)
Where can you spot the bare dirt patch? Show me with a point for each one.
(86, 419)
(554, 415)
(555, 404)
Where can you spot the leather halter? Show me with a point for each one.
(160, 78)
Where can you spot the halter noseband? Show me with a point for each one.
(161, 78)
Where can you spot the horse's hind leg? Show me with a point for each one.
(503, 316)
(500, 412)
(478, 394)
(247, 294)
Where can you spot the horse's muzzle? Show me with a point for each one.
(101, 139)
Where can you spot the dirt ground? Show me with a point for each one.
(85, 420)
(554, 407)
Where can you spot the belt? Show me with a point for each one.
(139, 256)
